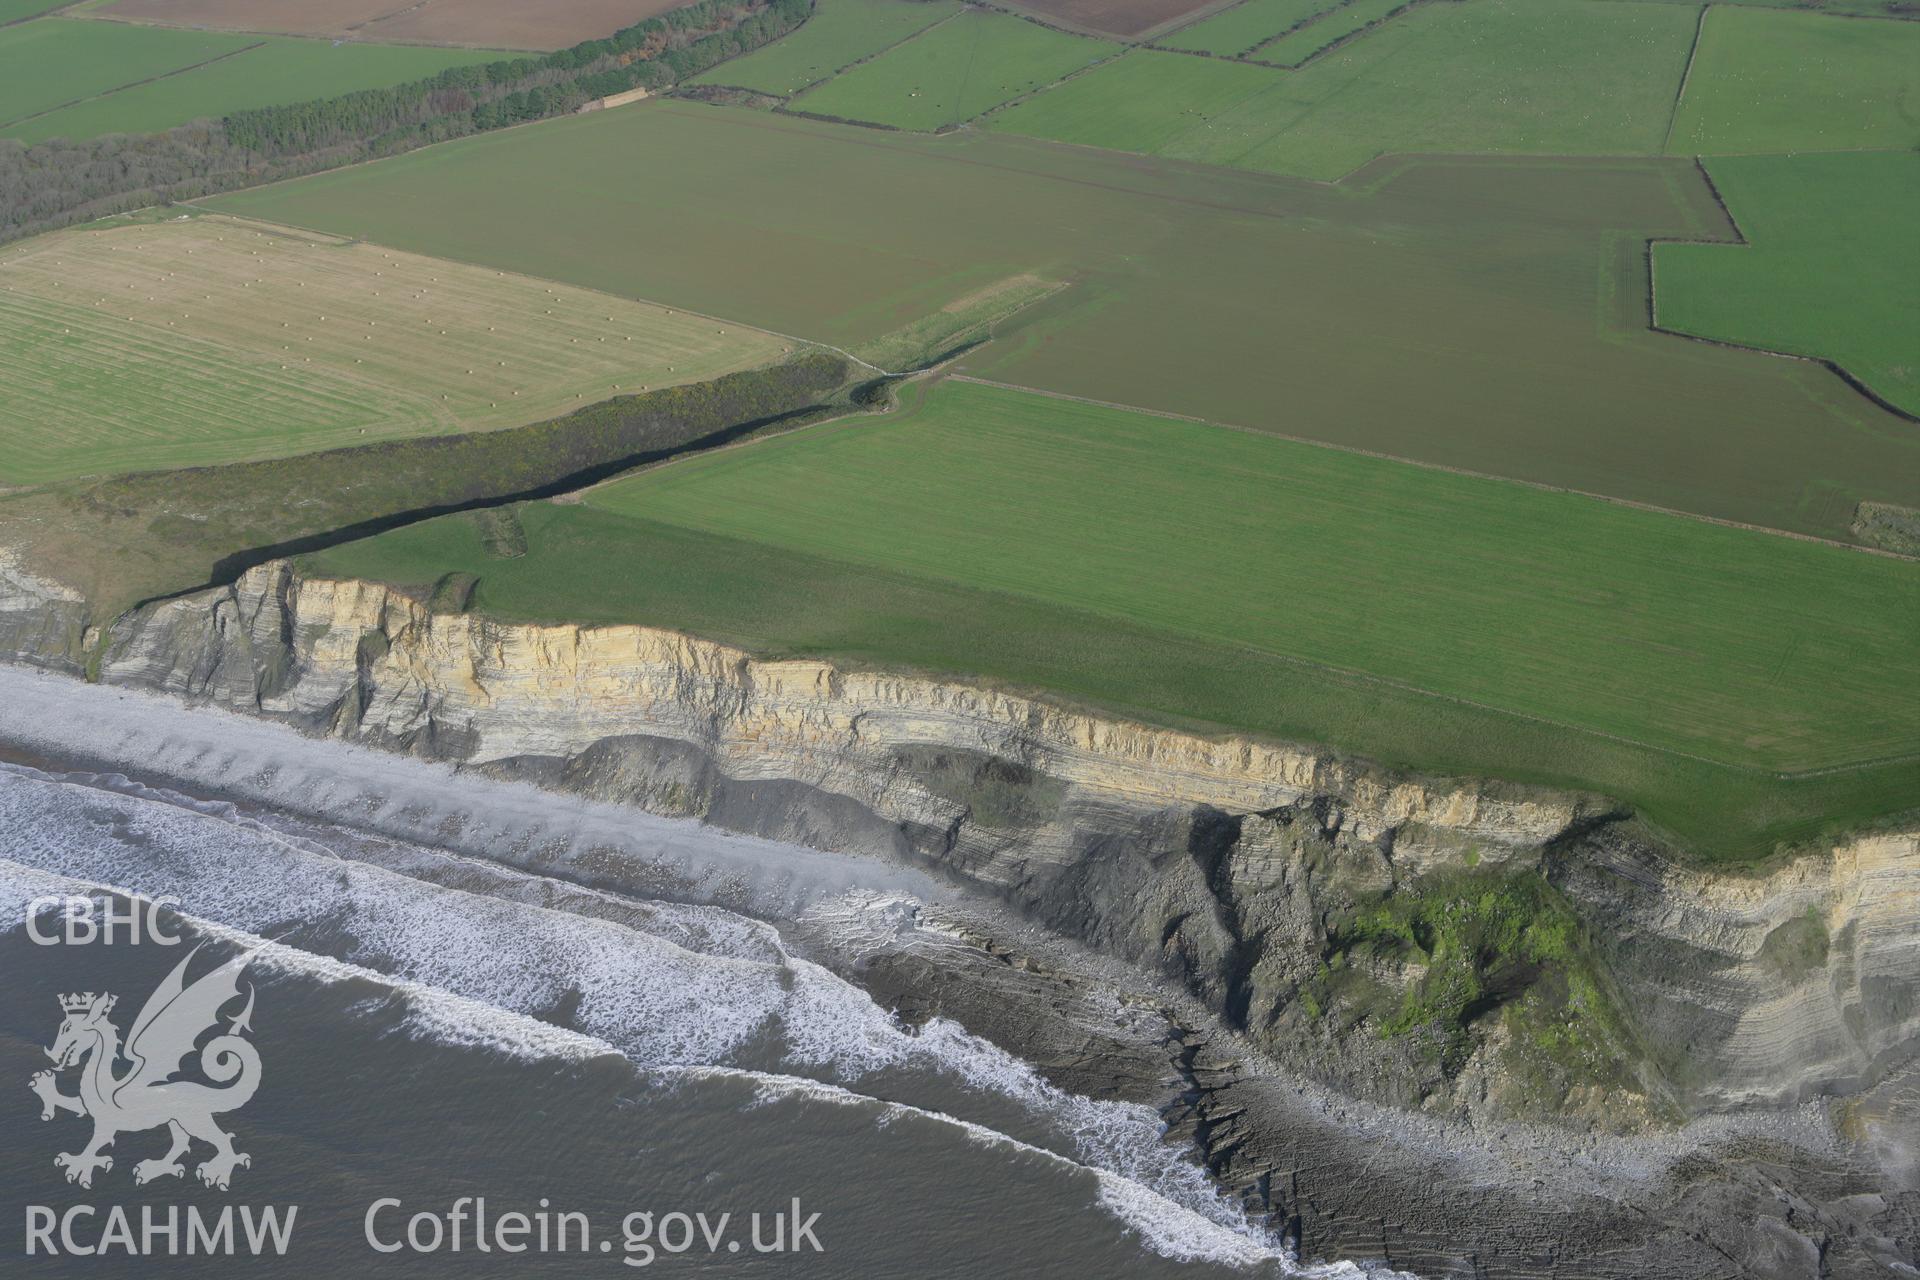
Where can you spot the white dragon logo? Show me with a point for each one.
(146, 1096)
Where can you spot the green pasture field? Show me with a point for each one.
(211, 340)
(1151, 98)
(840, 33)
(54, 61)
(1775, 81)
(1235, 31)
(1190, 574)
(1539, 77)
(1832, 270)
(278, 70)
(1479, 313)
(1747, 648)
(1302, 43)
(954, 72)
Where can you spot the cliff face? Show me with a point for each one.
(41, 621)
(1254, 873)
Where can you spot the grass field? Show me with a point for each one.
(840, 33)
(1237, 30)
(1832, 270)
(954, 72)
(213, 341)
(1481, 314)
(1555, 77)
(54, 61)
(1775, 81)
(273, 72)
(1783, 655)
(1049, 543)
(1347, 19)
(1153, 99)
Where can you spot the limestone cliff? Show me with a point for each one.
(1323, 906)
(41, 621)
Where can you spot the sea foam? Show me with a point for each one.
(484, 954)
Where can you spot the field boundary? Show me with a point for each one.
(617, 297)
(810, 85)
(1375, 171)
(54, 12)
(223, 364)
(135, 84)
(1466, 472)
(788, 103)
(1194, 19)
(1318, 18)
(231, 566)
(1037, 90)
(1742, 242)
(851, 420)
(335, 236)
(1386, 159)
(1059, 24)
(1246, 54)
(1312, 20)
(1680, 94)
(848, 421)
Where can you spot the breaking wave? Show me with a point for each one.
(492, 956)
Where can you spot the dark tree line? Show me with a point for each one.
(58, 183)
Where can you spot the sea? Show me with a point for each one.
(473, 1059)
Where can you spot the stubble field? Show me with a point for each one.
(210, 340)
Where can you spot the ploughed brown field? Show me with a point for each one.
(1110, 17)
(488, 24)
